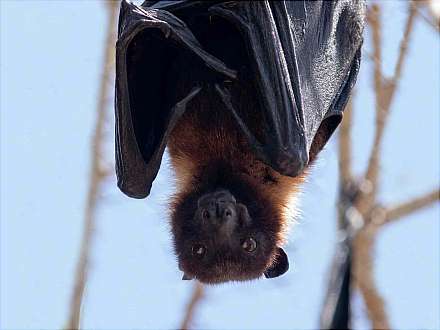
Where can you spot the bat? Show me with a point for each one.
(229, 214)
(244, 95)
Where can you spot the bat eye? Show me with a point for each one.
(198, 250)
(249, 245)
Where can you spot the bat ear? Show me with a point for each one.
(186, 277)
(279, 266)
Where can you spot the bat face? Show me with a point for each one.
(219, 238)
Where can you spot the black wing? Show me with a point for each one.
(303, 58)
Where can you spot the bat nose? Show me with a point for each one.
(218, 207)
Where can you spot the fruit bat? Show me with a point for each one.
(244, 94)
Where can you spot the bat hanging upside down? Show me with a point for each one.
(244, 94)
(231, 213)
(229, 217)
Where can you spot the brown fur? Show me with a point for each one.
(207, 138)
(208, 152)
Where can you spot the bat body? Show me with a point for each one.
(244, 94)
(227, 199)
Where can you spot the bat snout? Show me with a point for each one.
(218, 208)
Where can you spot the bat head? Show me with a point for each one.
(227, 234)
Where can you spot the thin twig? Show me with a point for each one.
(96, 175)
(403, 51)
(363, 273)
(429, 21)
(345, 174)
(430, 18)
(363, 247)
(196, 297)
(364, 241)
(385, 90)
(396, 212)
(374, 21)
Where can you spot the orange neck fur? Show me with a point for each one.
(205, 140)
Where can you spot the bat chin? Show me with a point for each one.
(220, 280)
(224, 270)
(238, 270)
(223, 277)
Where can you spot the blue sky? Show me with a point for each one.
(50, 58)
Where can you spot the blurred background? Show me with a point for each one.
(58, 186)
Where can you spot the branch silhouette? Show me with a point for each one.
(359, 197)
(384, 94)
(425, 11)
(97, 173)
(363, 243)
(345, 174)
(196, 297)
(397, 212)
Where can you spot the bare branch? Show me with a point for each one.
(374, 21)
(363, 244)
(111, 4)
(428, 20)
(424, 10)
(96, 176)
(196, 297)
(403, 52)
(396, 212)
(364, 277)
(345, 174)
(384, 91)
